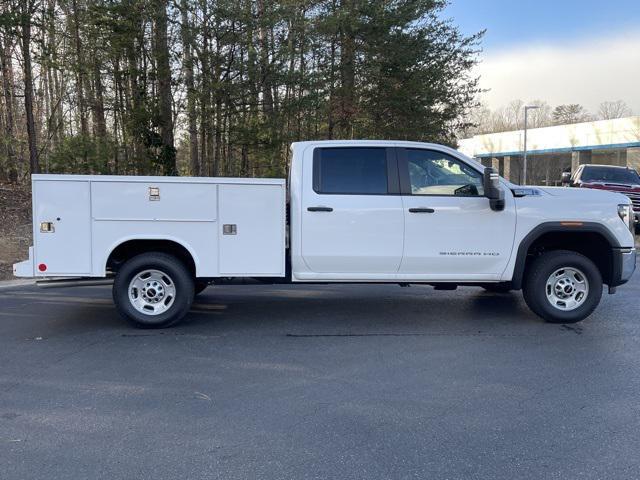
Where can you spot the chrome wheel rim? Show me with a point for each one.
(152, 292)
(567, 288)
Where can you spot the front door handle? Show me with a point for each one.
(422, 210)
(320, 209)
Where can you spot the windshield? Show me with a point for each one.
(610, 175)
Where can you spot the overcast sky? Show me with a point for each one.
(561, 51)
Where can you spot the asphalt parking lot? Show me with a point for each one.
(318, 382)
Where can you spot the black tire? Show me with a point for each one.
(535, 286)
(177, 274)
(200, 287)
(497, 287)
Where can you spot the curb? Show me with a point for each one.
(16, 283)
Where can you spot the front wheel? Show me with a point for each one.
(562, 286)
(153, 290)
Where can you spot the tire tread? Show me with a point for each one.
(178, 272)
(536, 277)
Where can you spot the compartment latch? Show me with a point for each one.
(47, 227)
(229, 229)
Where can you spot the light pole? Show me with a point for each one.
(524, 156)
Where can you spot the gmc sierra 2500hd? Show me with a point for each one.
(359, 211)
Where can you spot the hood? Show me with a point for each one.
(616, 187)
(593, 194)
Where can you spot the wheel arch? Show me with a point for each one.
(126, 248)
(561, 235)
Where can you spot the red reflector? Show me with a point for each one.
(42, 267)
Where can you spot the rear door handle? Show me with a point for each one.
(320, 209)
(421, 210)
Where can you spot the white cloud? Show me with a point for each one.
(588, 72)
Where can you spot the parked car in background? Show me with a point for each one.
(608, 177)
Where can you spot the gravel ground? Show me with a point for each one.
(15, 227)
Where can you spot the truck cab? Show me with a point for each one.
(404, 212)
(358, 212)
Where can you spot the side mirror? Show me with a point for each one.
(566, 179)
(492, 189)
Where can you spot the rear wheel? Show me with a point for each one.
(153, 290)
(562, 287)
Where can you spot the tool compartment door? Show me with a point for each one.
(251, 229)
(66, 206)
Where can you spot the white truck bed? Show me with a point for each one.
(231, 226)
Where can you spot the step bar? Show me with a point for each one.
(73, 282)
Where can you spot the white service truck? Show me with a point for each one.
(353, 212)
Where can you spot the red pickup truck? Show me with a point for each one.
(608, 177)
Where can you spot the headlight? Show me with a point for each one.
(626, 215)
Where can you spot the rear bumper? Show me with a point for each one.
(624, 264)
(26, 268)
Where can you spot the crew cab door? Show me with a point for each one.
(451, 233)
(352, 221)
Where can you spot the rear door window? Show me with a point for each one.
(351, 171)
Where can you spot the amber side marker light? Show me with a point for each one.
(571, 224)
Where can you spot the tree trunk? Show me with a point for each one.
(217, 94)
(267, 93)
(133, 108)
(301, 114)
(254, 90)
(187, 45)
(7, 89)
(119, 117)
(331, 123)
(55, 121)
(34, 165)
(346, 102)
(53, 103)
(100, 123)
(165, 118)
(205, 96)
(84, 128)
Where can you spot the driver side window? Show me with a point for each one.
(436, 173)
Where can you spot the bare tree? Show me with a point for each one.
(541, 116)
(477, 120)
(610, 110)
(507, 118)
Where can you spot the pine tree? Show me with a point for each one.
(222, 88)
